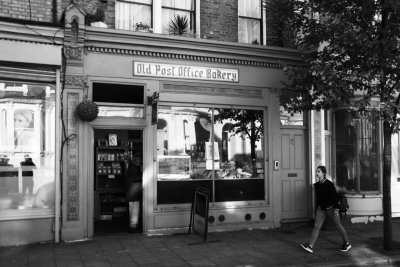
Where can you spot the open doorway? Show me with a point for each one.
(118, 158)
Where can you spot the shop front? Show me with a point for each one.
(29, 84)
(187, 112)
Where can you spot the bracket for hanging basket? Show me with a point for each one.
(87, 110)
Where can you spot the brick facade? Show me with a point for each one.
(219, 20)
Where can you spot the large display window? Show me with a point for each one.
(27, 145)
(217, 148)
(357, 157)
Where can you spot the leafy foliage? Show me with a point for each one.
(179, 25)
(351, 56)
(351, 52)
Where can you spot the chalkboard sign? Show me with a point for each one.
(199, 212)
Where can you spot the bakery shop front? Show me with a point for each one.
(190, 112)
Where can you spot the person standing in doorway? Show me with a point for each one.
(327, 207)
(134, 190)
(27, 167)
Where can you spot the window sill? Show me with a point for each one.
(364, 195)
(12, 214)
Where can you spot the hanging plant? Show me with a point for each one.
(87, 110)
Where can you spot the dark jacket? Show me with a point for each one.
(326, 195)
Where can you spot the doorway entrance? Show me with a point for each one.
(118, 158)
(295, 193)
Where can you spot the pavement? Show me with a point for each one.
(248, 248)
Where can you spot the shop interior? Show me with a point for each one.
(118, 156)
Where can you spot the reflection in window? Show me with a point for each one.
(205, 144)
(27, 146)
(287, 118)
(356, 153)
(250, 21)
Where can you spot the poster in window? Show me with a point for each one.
(23, 129)
(112, 140)
(209, 150)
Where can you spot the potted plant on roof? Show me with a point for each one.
(142, 27)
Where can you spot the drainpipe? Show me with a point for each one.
(55, 11)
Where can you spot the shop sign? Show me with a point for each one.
(199, 211)
(151, 69)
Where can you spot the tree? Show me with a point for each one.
(247, 122)
(352, 59)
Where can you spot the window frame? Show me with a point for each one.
(44, 212)
(137, 3)
(191, 11)
(261, 21)
(213, 179)
(379, 148)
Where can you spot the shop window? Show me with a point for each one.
(27, 156)
(133, 15)
(250, 21)
(172, 8)
(356, 153)
(119, 100)
(220, 149)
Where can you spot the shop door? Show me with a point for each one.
(118, 156)
(295, 193)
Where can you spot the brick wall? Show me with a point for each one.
(35, 10)
(219, 20)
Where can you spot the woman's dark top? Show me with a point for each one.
(326, 195)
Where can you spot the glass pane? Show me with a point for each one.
(250, 8)
(168, 15)
(149, 2)
(182, 136)
(180, 4)
(367, 144)
(239, 135)
(346, 151)
(249, 31)
(27, 143)
(128, 16)
(287, 118)
(128, 112)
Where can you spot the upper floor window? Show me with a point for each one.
(172, 8)
(133, 14)
(250, 21)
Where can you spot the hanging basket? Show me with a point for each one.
(87, 110)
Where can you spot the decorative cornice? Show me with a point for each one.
(176, 56)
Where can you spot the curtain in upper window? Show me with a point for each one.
(250, 21)
(130, 14)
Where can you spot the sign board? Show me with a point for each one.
(199, 212)
(151, 69)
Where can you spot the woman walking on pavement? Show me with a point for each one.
(327, 206)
